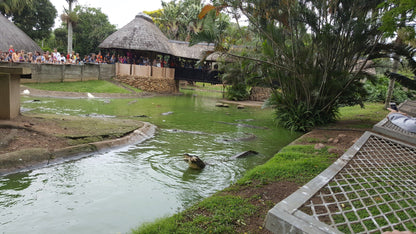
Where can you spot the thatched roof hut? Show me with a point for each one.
(140, 34)
(196, 52)
(10, 34)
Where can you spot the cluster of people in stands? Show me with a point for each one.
(21, 56)
(16, 56)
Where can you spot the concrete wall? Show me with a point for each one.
(43, 73)
(9, 96)
(146, 78)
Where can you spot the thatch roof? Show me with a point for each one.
(182, 49)
(140, 34)
(10, 34)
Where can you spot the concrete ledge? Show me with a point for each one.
(29, 159)
(388, 128)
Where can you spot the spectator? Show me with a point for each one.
(11, 50)
(113, 59)
(30, 57)
(15, 57)
(56, 55)
(99, 58)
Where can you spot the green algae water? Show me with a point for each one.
(115, 191)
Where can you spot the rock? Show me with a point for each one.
(330, 140)
(241, 107)
(167, 113)
(131, 102)
(341, 136)
(219, 104)
(244, 154)
(319, 146)
(335, 141)
(333, 150)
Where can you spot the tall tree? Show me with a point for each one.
(35, 19)
(9, 6)
(315, 50)
(396, 22)
(70, 19)
(180, 18)
(91, 29)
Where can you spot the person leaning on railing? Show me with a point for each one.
(402, 120)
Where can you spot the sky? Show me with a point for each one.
(119, 12)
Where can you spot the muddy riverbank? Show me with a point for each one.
(31, 141)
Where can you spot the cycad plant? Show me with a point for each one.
(315, 50)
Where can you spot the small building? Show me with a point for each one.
(10, 34)
(151, 55)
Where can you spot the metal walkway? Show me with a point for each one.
(370, 189)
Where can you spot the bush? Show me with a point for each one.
(377, 91)
(237, 92)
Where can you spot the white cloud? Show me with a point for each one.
(119, 12)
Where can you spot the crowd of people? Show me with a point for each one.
(21, 56)
(55, 57)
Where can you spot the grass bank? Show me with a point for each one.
(242, 207)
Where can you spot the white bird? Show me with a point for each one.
(26, 92)
(90, 95)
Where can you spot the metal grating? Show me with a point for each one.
(374, 192)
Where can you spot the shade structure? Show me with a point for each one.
(196, 52)
(10, 34)
(140, 34)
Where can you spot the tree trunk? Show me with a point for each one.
(391, 84)
(69, 29)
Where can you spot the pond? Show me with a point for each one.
(121, 189)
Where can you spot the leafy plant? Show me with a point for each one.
(315, 52)
(377, 91)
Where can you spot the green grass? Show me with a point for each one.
(91, 86)
(371, 113)
(207, 86)
(298, 163)
(216, 214)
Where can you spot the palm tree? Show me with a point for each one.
(70, 21)
(8, 6)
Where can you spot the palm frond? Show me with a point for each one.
(403, 80)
